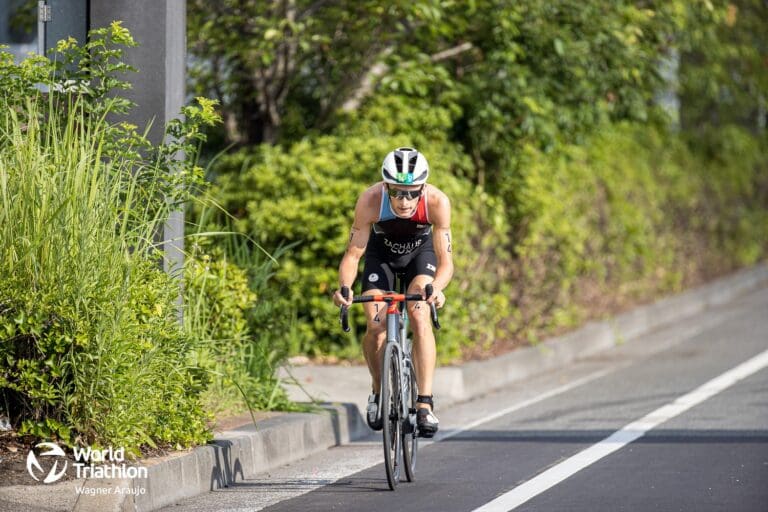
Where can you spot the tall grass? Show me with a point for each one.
(91, 350)
(61, 199)
(87, 316)
(240, 331)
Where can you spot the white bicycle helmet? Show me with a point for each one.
(405, 166)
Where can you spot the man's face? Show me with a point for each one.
(404, 198)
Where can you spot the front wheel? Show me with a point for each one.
(390, 415)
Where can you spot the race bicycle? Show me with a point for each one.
(399, 390)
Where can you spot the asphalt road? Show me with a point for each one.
(674, 421)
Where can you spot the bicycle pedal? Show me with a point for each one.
(426, 434)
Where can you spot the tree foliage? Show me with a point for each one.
(291, 62)
(537, 71)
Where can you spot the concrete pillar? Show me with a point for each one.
(158, 88)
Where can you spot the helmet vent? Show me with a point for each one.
(412, 163)
(398, 162)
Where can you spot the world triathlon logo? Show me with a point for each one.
(88, 463)
(54, 453)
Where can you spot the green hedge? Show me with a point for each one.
(92, 351)
(631, 213)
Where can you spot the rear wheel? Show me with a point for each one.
(410, 439)
(390, 415)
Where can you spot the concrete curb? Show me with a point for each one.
(244, 452)
(233, 456)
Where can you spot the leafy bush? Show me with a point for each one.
(230, 314)
(92, 351)
(574, 212)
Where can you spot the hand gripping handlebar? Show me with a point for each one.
(388, 298)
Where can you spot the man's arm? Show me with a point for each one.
(440, 215)
(358, 240)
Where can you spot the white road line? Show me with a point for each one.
(621, 438)
(335, 474)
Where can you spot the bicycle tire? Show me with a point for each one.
(390, 415)
(410, 439)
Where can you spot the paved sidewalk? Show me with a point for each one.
(247, 450)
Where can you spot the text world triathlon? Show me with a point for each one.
(87, 467)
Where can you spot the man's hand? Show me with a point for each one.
(437, 298)
(339, 299)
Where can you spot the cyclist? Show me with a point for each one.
(401, 224)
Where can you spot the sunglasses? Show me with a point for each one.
(404, 194)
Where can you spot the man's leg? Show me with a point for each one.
(377, 276)
(424, 350)
(374, 338)
(373, 350)
(424, 357)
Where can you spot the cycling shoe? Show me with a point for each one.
(427, 422)
(372, 413)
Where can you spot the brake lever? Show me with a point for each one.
(429, 289)
(344, 310)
